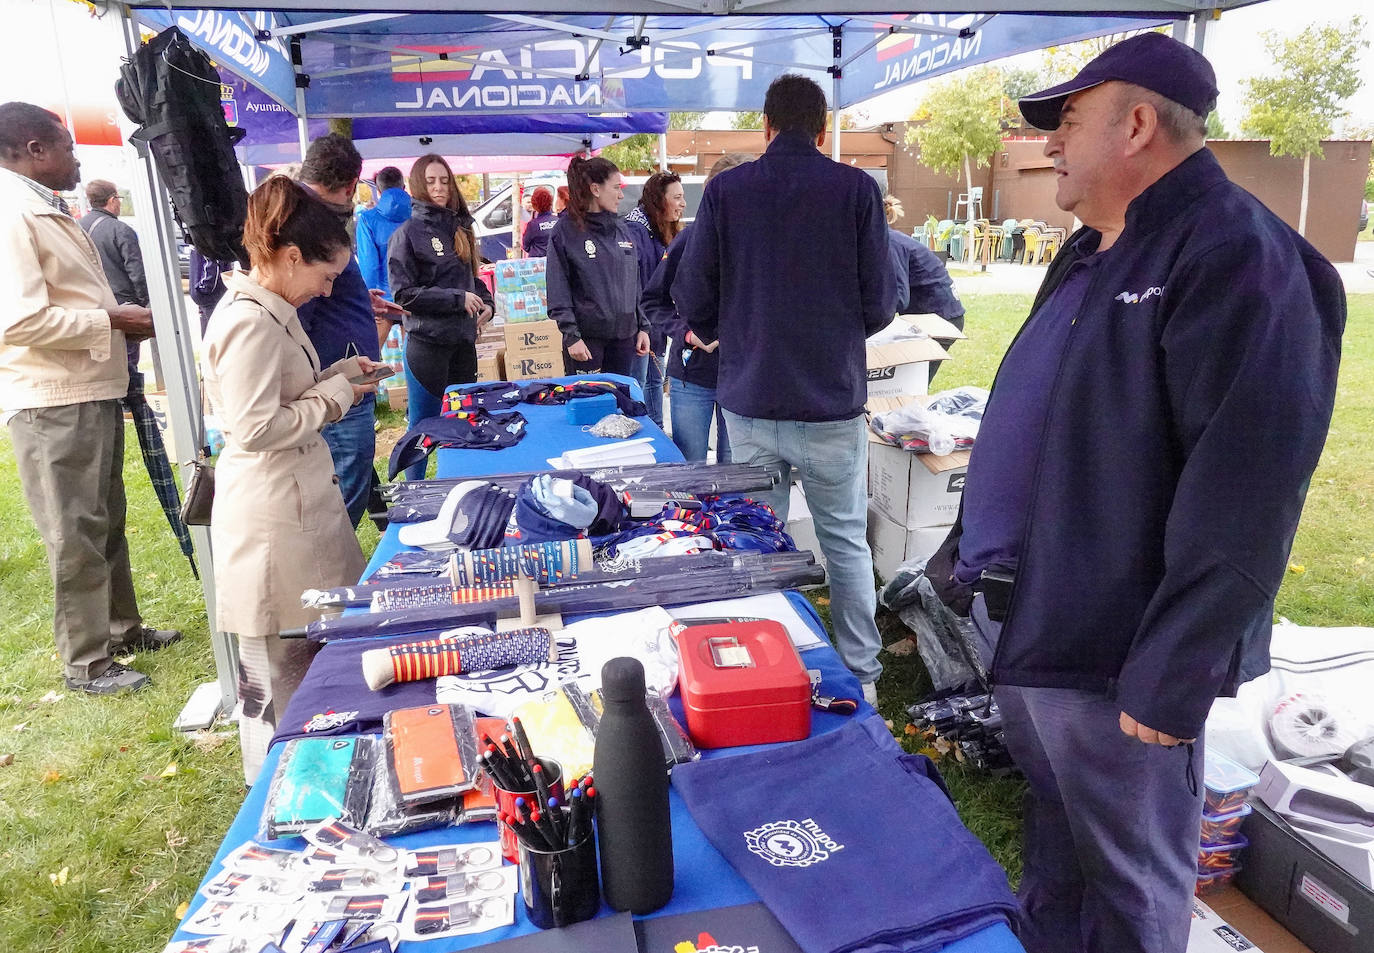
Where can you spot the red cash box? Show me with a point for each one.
(742, 683)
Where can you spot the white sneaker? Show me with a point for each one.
(870, 693)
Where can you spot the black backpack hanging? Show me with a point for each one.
(172, 91)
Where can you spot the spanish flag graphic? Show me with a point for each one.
(405, 68)
(897, 44)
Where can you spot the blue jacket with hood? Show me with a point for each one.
(375, 226)
(1189, 409)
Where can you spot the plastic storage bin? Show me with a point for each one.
(1227, 783)
(1216, 857)
(1223, 828)
(1216, 881)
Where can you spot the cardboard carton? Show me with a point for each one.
(902, 367)
(915, 490)
(934, 325)
(533, 350)
(893, 544)
(489, 361)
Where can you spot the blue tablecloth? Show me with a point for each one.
(703, 878)
(548, 435)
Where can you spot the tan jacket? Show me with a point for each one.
(56, 344)
(279, 525)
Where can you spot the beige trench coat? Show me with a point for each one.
(279, 525)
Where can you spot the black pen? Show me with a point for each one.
(575, 817)
(541, 787)
(522, 741)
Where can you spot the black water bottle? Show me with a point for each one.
(633, 827)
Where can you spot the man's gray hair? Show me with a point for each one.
(1178, 122)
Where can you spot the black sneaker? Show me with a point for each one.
(146, 640)
(115, 680)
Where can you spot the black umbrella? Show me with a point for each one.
(158, 466)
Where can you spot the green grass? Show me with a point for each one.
(86, 791)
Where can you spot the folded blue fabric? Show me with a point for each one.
(853, 845)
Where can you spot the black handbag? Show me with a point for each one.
(200, 491)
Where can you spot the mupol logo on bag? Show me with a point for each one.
(791, 843)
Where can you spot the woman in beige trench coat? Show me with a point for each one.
(279, 525)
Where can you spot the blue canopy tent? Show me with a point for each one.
(273, 131)
(387, 59)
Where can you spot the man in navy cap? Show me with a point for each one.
(1135, 489)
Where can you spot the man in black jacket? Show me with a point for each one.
(1135, 488)
(787, 267)
(117, 244)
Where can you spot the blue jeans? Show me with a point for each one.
(1111, 827)
(420, 404)
(692, 407)
(353, 445)
(833, 459)
(650, 377)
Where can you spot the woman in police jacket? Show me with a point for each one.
(593, 275)
(432, 264)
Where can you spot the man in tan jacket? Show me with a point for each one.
(62, 374)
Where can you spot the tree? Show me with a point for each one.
(1216, 129)
(1018, 83)
(1062, 63)
(685, 120)
(637, 153)
(1298, 107)
(958, 124)
(747, 120)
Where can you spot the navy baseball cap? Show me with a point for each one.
(1174, 70)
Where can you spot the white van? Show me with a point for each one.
(492, 218)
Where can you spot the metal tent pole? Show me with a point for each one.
(1200, 21)
(663, 152)
(837, 49)
(302, 81)
(177, 361)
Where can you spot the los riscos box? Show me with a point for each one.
(533, 350)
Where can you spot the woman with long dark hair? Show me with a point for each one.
(593, 274)
(432, 263)
(279, 524)
(656, 221)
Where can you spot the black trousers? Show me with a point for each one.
(436, 366)
(609, 356)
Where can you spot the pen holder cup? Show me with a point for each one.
(560, 887)
(505, 804)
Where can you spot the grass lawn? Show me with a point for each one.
(108, 818)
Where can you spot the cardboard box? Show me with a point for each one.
(489, 361)
(1209, 933)
(915, 489)
(396, 397)
(934, 325)
(533, 350)
(902, 367)
(893, 544)
(1322, 904)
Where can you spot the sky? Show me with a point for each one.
(63, 46)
